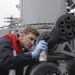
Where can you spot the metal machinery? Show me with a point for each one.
(56, 24)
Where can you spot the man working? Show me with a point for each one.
(11, 56)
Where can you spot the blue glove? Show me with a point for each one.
(42, 45)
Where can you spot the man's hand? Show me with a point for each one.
(42, 46)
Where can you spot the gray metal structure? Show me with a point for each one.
(43, 15)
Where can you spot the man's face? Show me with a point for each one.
(28, 40)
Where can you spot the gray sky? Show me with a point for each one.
(8, 8)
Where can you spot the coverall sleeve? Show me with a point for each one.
(7, 60)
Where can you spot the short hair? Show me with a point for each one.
(31, 30)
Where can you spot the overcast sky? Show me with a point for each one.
(8, 8)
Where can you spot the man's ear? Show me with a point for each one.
(22, 35)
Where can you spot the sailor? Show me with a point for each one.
(12, 57)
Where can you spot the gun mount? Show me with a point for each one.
(63, 31)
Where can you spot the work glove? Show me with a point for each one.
(42, 46)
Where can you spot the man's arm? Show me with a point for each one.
(7, 60)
